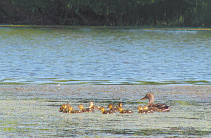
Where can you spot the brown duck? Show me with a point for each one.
(159, 107)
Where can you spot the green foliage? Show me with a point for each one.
(107, 12)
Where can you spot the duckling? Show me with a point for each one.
(106, 112)
(70, 110)
(64, 107)
(124, 111)
(91, 105)
(85, 110)
(112, 109)
(148, 110)
(145, 109)
(119, 105)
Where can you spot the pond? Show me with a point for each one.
(104, 56)
(33, 111)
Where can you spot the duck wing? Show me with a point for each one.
(160, 107)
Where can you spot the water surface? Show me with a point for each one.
(33, 111)
(104, 56)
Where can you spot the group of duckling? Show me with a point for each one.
(150, 108)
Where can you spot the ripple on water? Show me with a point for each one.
(97, 56)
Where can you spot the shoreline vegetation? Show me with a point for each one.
(109, 13)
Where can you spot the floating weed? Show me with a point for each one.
(9, 129)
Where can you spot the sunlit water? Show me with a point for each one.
(104, 56)
(33, 111)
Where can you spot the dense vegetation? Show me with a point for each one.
(107, 12)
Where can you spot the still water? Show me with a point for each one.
(104, 56)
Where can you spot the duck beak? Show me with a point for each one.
(143, 98)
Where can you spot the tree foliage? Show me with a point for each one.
(107, 12)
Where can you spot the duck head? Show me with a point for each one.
(110, 106)
(151, 98)
(81, 106)
(91, 104)
(102, 109)
(120, 104)
(140, 108)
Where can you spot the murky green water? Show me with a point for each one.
(104, 56)
(32, 110)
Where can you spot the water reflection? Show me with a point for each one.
(104, 56)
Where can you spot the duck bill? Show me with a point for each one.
(143, 98)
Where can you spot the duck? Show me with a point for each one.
(95, 107)
(144, 109)
(113, 109)
(119, 105)
(159, 107)
(116, 107)
(64, 107)
(86, 109)
(106, 112)
(70, 110)
(124, 111)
